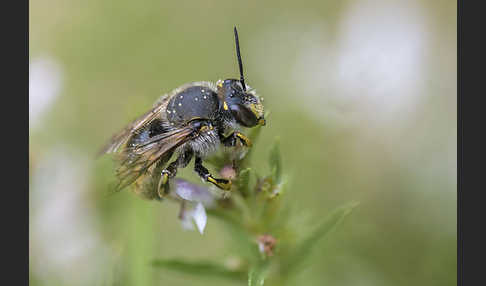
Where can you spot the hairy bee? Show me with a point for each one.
(191, 121)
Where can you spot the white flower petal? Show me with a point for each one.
(200, 217)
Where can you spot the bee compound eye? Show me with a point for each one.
(243, 115)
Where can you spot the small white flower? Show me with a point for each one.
(195, 199)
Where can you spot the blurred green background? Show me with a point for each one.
(362, 94)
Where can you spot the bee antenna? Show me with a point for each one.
(240, 64)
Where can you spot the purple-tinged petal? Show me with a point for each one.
(193, 193)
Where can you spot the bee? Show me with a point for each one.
(193, 120)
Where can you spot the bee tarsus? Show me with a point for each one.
(205, 175)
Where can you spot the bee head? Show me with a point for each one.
(243, 103)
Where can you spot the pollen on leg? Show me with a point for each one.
(180, 104)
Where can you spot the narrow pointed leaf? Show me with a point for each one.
(244, 182)
(257, 274)
(303, 250)
(275, 161)
(200, 268)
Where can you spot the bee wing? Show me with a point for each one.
(122, 137)
(137, 160)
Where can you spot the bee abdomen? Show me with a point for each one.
(155, 128)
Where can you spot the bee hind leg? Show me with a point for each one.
(171, 171)
(205, 175)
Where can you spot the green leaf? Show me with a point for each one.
(303, 250)
(200, 268)
(244, 242)
(257, 274)
(276, 161)
(243, 182)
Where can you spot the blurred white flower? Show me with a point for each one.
(381, 54)
(374, 68)
(369, 64)
(45, 79)
(63, 232)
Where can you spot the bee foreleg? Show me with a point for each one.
(171, 171)
(205, 175)
(230, 141)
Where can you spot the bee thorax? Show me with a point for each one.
(205, 143)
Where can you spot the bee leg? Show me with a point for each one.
(171, 171)
(230, 141)
(204, 174)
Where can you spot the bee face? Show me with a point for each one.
(245, 106)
